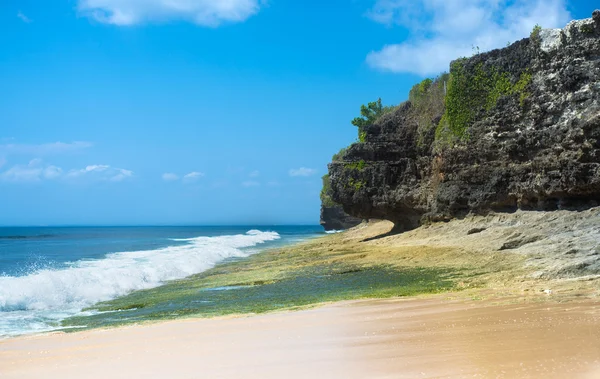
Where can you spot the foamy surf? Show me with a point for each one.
(40, 300)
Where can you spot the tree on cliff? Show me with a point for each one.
(368, 115)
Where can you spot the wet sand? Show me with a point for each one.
(399, 338)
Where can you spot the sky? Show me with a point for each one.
(213, 112)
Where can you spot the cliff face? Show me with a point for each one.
(334, 218)
(518, 128)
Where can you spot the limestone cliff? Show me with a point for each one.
(333, 216)
(516, 128)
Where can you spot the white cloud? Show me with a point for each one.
(44, 149)
(34, 171)
(250, 183)
(21, 173)
(170, 177)
(122, 174)
(23, 18)
(201, 12)
(37, 170)
(254, 174)
(88, 169)
(52, 172)
(101, 172)
(302, 171)
(443, 30)
(192, 176)
(35, 162)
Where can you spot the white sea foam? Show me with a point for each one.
(31, 302)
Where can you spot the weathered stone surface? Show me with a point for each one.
(538, 152)
(334, 218)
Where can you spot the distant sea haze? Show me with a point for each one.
(49, 274)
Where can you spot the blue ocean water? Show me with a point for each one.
(50, 273)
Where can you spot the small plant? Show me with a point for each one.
(356, 184)
(368, 115)
(360, 165)
(535, 33)
(419, 91)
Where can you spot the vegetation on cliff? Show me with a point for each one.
(471, 92)
(325, 195)
(368, 115)
(326, 200)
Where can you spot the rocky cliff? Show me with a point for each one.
(514, 128)
(334, 218)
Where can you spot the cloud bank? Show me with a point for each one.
(170, 177)
(210, 13)
(104, 172)
(37, 170)
(187, 178)
(302, 171)
(192, 176)
(443, 30)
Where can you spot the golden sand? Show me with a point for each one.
(412, 338)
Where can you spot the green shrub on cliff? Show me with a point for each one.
(419, 91)
(473, 90)
(326, 200)
(427, 100)
(535, 33)
(326, 190)
(368, 115)
(339, 155)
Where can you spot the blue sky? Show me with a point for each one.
(212, 112)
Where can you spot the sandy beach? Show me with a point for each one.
(412, 338)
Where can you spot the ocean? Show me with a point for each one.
(48, 274)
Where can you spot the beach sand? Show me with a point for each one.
(432, 337)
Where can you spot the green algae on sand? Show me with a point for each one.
(324, 270)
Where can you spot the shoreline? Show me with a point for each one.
(365, 262)
(321, 270)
